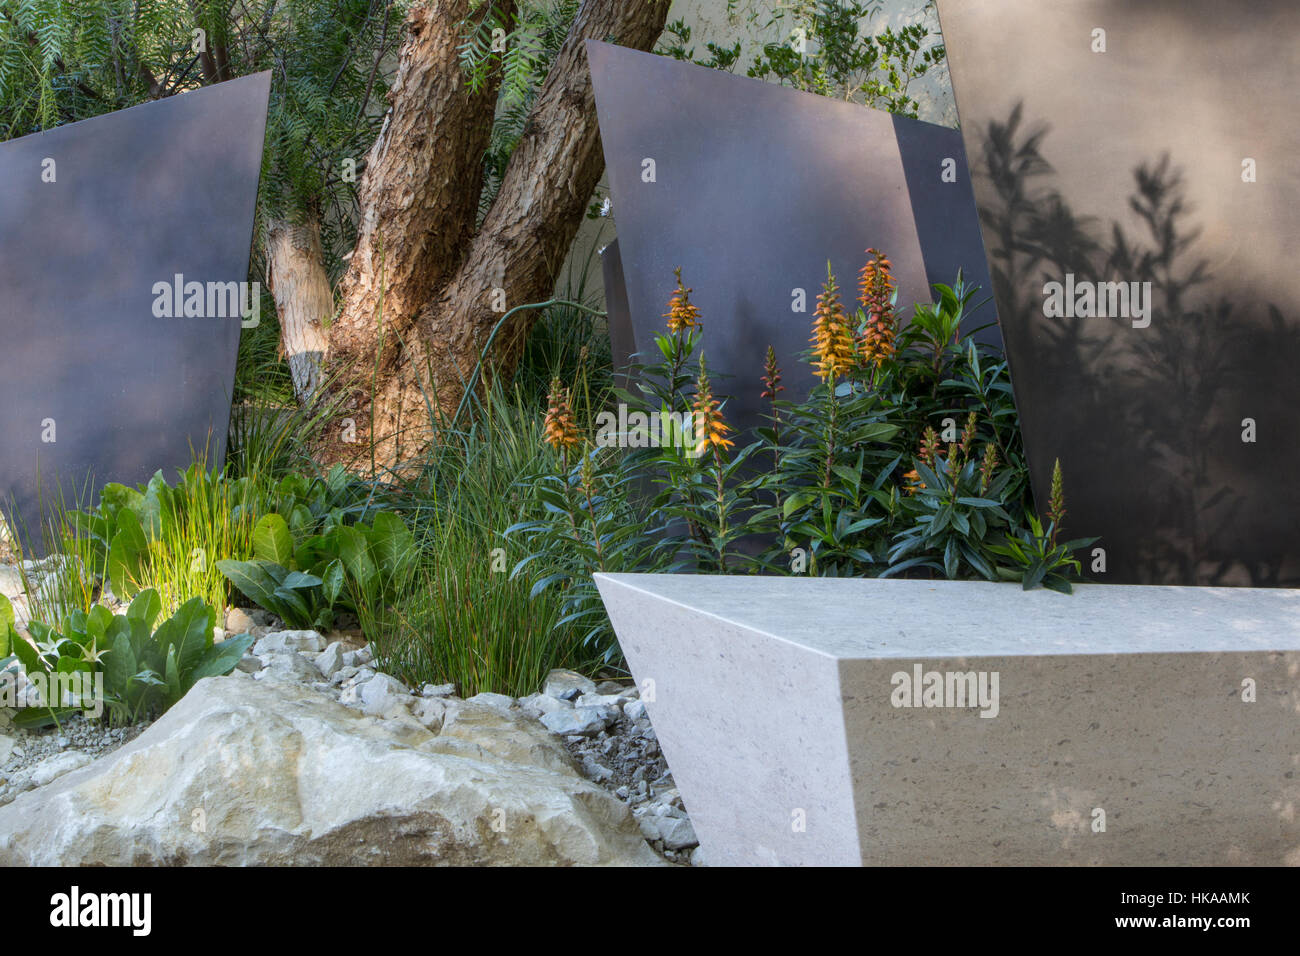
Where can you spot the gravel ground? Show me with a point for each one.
(30, 759)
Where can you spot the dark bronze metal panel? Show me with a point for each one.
(622, 338)
(1124, 156)
(135, 198)
(755, 188)
(946, 220)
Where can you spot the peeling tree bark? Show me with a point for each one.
(419, 199)
(304, 302)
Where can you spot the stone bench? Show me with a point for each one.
(861, 721)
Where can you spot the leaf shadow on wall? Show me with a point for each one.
(1148, 422)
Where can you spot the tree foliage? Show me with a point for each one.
(61, 62)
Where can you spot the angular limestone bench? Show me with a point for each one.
(847, 721)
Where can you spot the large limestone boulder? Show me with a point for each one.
(272, 772)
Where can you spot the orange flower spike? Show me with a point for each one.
(928, 453)
(559, 429)
(771, 375)
(832, 341)
(710, 426)
(875, 281)
(876, 291)
(681, 314)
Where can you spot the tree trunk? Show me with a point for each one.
(304, 302)
(419, 199)
(441, 283)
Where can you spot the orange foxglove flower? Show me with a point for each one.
(832, 340)
(681, 314)
(928, 452)
(710, 428)
(876, 292)
(559, 429)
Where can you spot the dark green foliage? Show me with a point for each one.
(529, 41)
(302, 579)
(587, 524)
(145, 671)
(1036, 557)
(905, 461)
(677, 34)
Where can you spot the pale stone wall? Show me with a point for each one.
(749, 21)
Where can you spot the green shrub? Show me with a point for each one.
(360, 568)
(836, 58)
(905, 459)
(145, 670)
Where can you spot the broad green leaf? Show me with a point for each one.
(145, 608)
(126, 554)
(950, 559)
(74, 627)
(252, 579)
(157, 496)
(188, 633)
(220, 659)
(300, 519)
(1055, 582)
(36, 718)
(172, 676)
(97, 622)
(291, 606)
(26, 652)
(272, 540)
(332, 580)
(875, 431)
(119, 665)
(850, 475)
(797, 500)
(355, 554)
(299, 580)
